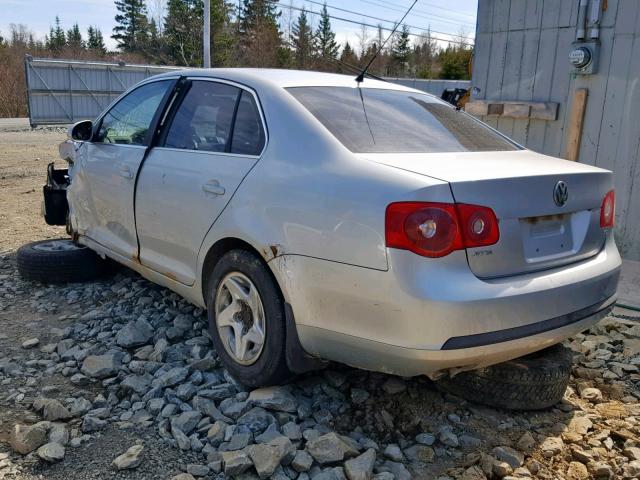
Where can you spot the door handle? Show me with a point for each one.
(213, 187)
(126, 173)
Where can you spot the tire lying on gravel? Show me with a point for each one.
(58, 261)
(533, 382)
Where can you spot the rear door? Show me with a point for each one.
(215, 137)
(105, 173)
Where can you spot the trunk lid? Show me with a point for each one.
(535, 232)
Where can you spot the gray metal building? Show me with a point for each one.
(564, 80)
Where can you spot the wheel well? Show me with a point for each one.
(217, 250)
(298, 360)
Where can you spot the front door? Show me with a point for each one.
(102, 190)
(214, 139)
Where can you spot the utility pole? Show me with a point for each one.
(206, 40)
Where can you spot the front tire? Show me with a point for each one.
(247, 320)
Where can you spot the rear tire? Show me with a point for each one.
(533, 382)
(266, 364)
(58, 261)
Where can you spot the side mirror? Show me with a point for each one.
(81, 130)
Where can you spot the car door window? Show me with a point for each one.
(248, 134)
(129, 120)
(203, 119)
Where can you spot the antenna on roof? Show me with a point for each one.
(360, 77)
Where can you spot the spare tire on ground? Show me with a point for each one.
(58, 260)
(532, 382)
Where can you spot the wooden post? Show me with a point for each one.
(574, 126)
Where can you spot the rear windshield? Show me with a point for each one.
(368, 120)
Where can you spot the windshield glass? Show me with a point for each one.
(368, 120)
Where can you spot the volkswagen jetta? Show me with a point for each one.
(316, 217)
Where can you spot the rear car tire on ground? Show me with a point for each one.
(533, 382)
(242, 297)
(58, 261)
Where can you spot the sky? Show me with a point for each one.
(446, 18)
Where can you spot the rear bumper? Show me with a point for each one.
(424, 316)
(410, 362)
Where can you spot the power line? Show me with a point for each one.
(427, 15)
(381, 19)
(445, 9)
(342, 19)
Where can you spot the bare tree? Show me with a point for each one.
(157, 11)
(363, 40)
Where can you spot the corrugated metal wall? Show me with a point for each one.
(521, 54)
(65, 91)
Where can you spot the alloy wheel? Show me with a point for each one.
(240, 318)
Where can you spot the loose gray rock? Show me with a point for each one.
(25, 439)
(274, 398)
(330, 448)
(92, 424)
(236, 462)
(173, 377)
(302, 461)
(393, 452)
(101, 366)
(54, 410)
(420, 453)
(30, 343)
(186, 422)
(514, 458)
(426, 439)
(51, 452)
(184, 443)
(198, 470)
(129, 459)
(135, 334)
(447, 437)
(59, 434)
(266, 458)
(361, 467)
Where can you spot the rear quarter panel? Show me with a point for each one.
(308, 195)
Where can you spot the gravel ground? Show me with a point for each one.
(91, 371)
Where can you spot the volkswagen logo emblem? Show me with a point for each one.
(560, 193)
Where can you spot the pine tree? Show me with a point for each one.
(401, 49)
(302, 40)
(131, 31)
(455, 62)
(56, 40)
(326, 44)
(74, 38)
(183, 32)
(348, 58)
(256, 12)
(223, 34)
(259, 40)
(425, 55)
(95, 41)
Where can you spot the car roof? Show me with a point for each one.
(283, 78)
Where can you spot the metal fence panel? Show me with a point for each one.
(66, 91)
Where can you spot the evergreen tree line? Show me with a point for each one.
(249, 33)
(244, 33)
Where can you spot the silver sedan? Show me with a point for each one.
(315, 217)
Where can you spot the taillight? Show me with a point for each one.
(437, 229)
(608, 210)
